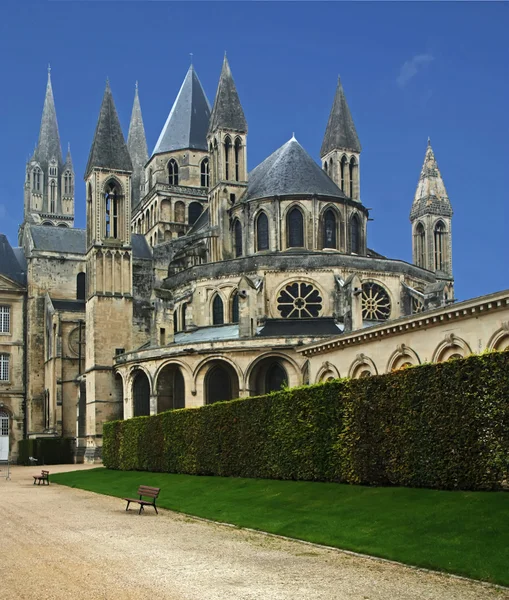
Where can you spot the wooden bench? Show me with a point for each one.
(147, 492)
(44, 477)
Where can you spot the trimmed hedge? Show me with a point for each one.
(48, 451)
(442, 426)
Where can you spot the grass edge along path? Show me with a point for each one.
(463, 533)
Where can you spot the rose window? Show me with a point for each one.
(299, 300)
(376, 304)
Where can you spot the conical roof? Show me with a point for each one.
(340, 132)
(137, 146)
(290, 171)
(188, 121)
(431, 196)
(48, 146)
(109, 150)
(227, 112)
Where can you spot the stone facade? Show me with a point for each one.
(196, 281)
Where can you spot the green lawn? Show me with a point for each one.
(466, 533)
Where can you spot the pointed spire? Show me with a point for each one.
(188, 121)
(431, 196)
(109, 150)
(68, 158)
(227, 112)
(137, 146)
(48, 146)
(340, 132)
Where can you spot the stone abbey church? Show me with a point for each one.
(195, 281)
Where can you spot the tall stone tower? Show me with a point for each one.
(109, 301)
(49, 181)
(227, 141)
(431, 218)
(340, 152)
(137, 146)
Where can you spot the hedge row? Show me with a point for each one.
(439, 426)
(47, 451)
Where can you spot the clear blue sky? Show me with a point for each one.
(410, 70)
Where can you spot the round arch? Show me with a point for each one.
(220, 382)
(170, 387)
(500, 339)
(327, 372)
(402, 357)
(362, 366)
(451, 347)
(140, 392)
(270, 371)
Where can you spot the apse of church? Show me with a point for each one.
(197, 281)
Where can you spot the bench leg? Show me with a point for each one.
(155, 507)
(127, 507)
(141, 508)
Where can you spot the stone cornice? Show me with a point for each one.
(425, 320)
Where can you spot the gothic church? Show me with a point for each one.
(196, 281)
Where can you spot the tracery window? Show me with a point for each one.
(299, 300)
(111, 212)
(205, 173)
(376, 304)
(439, 246)
(217, 310)
(417, 305)
(238, 238)
(5, 319)
(262, 232)
(173, 172)
(329, 229)
(295, 228)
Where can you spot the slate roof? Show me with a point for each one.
(137, 147)
(48, 146)
(9, 265)
(430, 196)
(340, 132)
(201, 222)
(227, 112)
(73, 241)
(188, 121)
(69, 305)
(208, 334)
(290, 171)
(290, 327)
(109, 150)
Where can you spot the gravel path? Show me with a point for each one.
(60, 543)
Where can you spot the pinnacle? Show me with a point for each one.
(340, 132)
(227, 112)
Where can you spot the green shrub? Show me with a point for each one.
(440, 426)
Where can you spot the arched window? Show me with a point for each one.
(180, 212)
(112, 211)
(420, 245)
(217, 311)
(67, 183)
(53, 196)
(343, 166)
(37, 179)
(439, 246)
(235, 308)
(183, 319)
(150, 178)
(275, 378)
(216, 173)
(295, 229)
(227, 148)
(175, 322)
(141, 395)
(80, 286)
(238, 238)
(205, 174)
(238, 145)
(262, 232)
(326, 167)
(353, 175)
(355, 235)
(173, 172)
(195, 210)
(329, 229)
